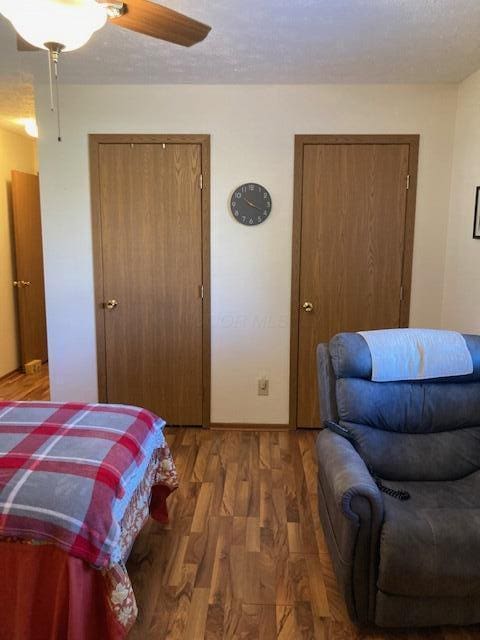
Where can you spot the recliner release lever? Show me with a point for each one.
(338, 429)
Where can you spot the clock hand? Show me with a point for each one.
(252, 205)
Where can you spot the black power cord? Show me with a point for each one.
(398, 494)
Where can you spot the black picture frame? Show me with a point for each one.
(476, 217)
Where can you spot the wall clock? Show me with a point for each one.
(251, 204)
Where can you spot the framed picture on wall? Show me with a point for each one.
(476, 220)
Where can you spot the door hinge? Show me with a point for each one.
(401, 294)
(408, 182)
(201, 291)
(201, 181)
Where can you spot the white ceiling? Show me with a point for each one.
(16, 101)
(280, 41)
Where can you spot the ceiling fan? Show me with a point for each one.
(66, 25)
(70, 23)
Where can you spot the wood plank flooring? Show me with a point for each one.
(19, 386)
(244, 556)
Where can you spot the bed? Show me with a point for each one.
(77, 484)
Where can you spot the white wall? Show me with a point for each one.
(19, 153)
(461, 304)
(252, 130)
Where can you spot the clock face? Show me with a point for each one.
(251, 204)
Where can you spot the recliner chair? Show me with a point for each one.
(401, 563)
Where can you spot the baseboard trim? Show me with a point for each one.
(245, 426)
(7, 375)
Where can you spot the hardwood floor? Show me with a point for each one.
(18, 386)
(244, 557)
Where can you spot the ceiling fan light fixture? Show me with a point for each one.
(70, 23)
(30, 126)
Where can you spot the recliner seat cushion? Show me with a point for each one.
(430, 544)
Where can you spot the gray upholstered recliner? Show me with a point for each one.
(401, 563)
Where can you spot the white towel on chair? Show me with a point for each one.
(417, 354)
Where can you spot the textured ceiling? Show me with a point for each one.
(16, 101)
(276, 41)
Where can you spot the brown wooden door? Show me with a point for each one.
(352, 247)
(29, 282)
(151, 230)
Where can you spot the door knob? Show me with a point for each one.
(21, 284)
(111, 304)
(307, 307)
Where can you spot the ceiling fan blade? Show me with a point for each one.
(23, 45)
(160, 22)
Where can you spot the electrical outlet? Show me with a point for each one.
(263, 386)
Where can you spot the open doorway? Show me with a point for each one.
(23, 338)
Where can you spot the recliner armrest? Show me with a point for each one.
(346, 474)
(351, 510)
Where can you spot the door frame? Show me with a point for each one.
(17, 197)
(300, 142)
(95, 140)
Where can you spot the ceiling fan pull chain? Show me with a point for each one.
(55, 62)
(52, 106)
(54, 50)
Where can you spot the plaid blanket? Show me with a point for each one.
(67, 471)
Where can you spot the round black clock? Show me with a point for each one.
(251, 204)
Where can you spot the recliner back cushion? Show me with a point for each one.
(409, 407)
(417, 430)
(447, 455)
